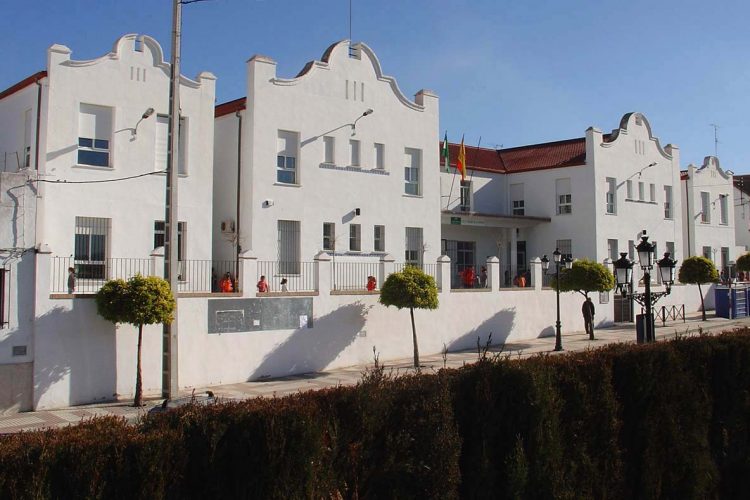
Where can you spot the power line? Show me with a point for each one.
(63, 181)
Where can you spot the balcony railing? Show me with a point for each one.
(288, 276)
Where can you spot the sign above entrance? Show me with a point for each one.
(455, 221)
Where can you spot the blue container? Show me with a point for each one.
(738, 305)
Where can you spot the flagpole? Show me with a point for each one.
(475, 157)
(450, 194)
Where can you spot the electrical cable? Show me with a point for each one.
(63, 181)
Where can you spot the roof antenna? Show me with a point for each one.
(716, 138)
(351, 49)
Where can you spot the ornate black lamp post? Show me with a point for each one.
(568, 263)
(624, 275)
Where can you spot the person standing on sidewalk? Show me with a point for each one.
(588, 316)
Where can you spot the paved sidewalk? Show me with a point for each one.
(576, 341)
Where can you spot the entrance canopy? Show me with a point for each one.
(478, 220)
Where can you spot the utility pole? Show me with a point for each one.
(170, 385)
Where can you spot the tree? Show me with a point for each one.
(139, 301)
(410, 288)
(586, 276)
(695, 271)
(743, 263)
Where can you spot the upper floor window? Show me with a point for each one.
(379, 239)
(162, 144)
(629, 189)
(329, 144)
(708, 253)
(516, 197)
(641, 191)
(465, 196)
(354, 160)
(611, 196)
(724, 207)
(667, 202)
(94, 135)
(286, 158)
(412, 177)
(27, 135)
(355, 237)
(652, 192)
(329, 236)
(705, 207)
(379, 155)
(564, 196)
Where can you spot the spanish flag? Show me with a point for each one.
(461, 160)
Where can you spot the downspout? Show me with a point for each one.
(687, 215)
(38, 124)
(238, 114)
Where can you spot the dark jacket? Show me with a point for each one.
(588, 310)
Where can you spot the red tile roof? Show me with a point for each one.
(230, 107)
(22, 84)
(567, 153)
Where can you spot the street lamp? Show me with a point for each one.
(730, 268)
(559, 260)
(624, 275)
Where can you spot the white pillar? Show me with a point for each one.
(157, 262)
(493, 274)
(444, 273)
(386, 267)
(513, 254)
(248, 274)
(536, 273)
(323, 273)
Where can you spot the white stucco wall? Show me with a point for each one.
(741, 220)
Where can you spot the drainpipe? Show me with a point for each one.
(238, 114)
(38, 125)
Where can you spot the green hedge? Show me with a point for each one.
(667, 420)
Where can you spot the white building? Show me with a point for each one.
(742, 212)
(336, 159)
(86, 144)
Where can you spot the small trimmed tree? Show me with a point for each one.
(743, 263)
(138, 301)
(410, 288)
(697, 270)
(584, 277)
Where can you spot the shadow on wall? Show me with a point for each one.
(79, 345)
(547, 332)
(313, 349)
(499, 325)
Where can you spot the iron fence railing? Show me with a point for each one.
(288, 276)
(355, 275)
(468, 276)
(207, 276)
(429, 269)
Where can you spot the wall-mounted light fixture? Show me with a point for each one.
(357, 211)
(367, 112)
(145, 115)
(268, 203)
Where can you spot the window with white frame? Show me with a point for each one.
(652, 192)
(91, 246)
(286, 157)
(162, 145)
(641, 191)
(329, 236)
(355, 237)
(631, 249)
(160, 237)
(379, 155)
(329, 145)
(465, 196)
(565, 247)
(667, 202)
(517, 199)
(564, 196)
(705, 207)
(288, 242)
(379, 238)
(724, 209)
(670, 248)
(629, 189)
(612, 251)
(707, 253)
(94, 135)
(413, 246)
(354, 159)
(412, 169)
(611, 195)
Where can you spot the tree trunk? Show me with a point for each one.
(703, 306)
(138, 399)
(414, 338)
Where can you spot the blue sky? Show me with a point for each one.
(512, 72)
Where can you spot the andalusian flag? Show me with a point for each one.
(461, 160)
(445, 154)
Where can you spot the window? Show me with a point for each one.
(612, 251)
(725, 260)
(564, 197)
(667, 202)
(707, 253)
(159, 237)
(3, 273)
(90, 247)
(629, 189)
(565, 247)
(286, 158)
(162, 144)
(355, 237)
(379, 239)
(27, 123)
(329, 236)
(611, 195)
(413, 246)
(705, 207)
(379, 156)
(412, 170)
(94, 135)
(465, 196)
(329, 145)
(289, 247)
(353, 152)
(652, 192)
(724, 209)
(631, 249)
(670, 248)
(516, 196)
(641, 191)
